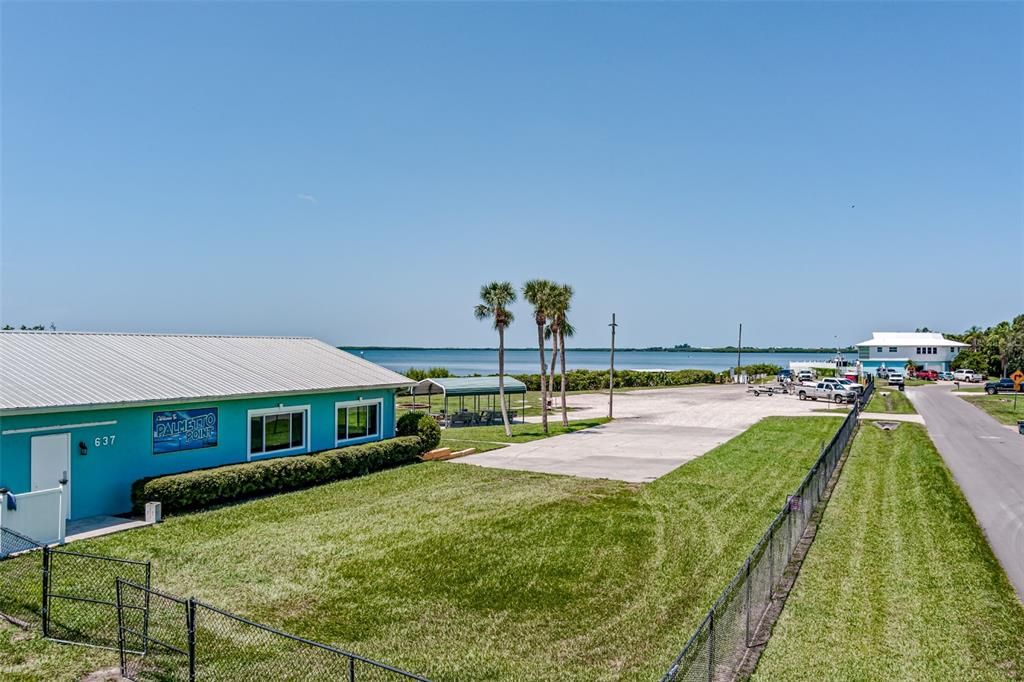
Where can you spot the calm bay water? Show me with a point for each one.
(472, 361)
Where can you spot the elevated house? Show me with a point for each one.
(89, 414)
(893, 350)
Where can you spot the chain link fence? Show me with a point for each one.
(80, 595)
(718, 647)
(21, 571)
(163, 637)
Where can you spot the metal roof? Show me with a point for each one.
(467, 386)
(78, 369)
(909, 339)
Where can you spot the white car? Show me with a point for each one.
(805, 375)
(845, 383)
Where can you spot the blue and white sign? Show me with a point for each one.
(179, 430)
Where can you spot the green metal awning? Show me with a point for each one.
(463, 386)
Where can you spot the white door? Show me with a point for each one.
(51, 463)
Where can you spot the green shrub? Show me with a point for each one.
(429, 433)
(432, 373)
(207, 487)
(408, 424)
(593, 380)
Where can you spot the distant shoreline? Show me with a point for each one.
(723, 349)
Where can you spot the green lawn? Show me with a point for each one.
(468, 573)
(890, 400)
(999, 406)
(900, 583)
(492, 436)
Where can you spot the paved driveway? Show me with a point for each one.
(653, 433)
(987, 461)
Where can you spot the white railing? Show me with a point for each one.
(39, 515)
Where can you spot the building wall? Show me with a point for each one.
(942, 353)
(118, 454)
(872, 366)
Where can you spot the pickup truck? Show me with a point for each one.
(1002, 386)
(827, 391)
(928, 374)
(967, 375)
(895, 379)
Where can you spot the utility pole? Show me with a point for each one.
(611, 373)
(739, 351)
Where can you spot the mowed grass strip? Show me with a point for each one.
(1001, 406)
(469, 573)
(460, 437)
(890, 400)
(900, 583)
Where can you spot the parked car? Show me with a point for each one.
(927, 374)
(967, 375)
(784, 374)
(895, 378)
(805, 375)
(831, 392)
(1004, 385)
(883, 372)
(945, 376)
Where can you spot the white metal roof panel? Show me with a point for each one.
(909, 339)
(75, 369)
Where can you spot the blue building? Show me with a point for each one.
(100, 411)
(894, 350)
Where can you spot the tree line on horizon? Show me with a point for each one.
(551, 303)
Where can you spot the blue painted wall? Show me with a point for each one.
(101, 480)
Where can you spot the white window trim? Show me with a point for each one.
(356, 403)
(249, 455)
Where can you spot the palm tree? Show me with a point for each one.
(497, 297)
(538, 293)
(559, 328)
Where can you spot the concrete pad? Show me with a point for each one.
(654, 432)
(98, 526)
(887, 417)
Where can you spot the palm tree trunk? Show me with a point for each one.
(554, 358)
(561, 349)
(501, 381)
(543, 385)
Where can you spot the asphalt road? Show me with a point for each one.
(987, 460)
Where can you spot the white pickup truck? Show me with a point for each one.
(833, 392)
(966, 375)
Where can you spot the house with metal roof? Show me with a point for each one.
(90, 414)
(893, 350)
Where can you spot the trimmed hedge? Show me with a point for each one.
(592, 380)
(207, 487)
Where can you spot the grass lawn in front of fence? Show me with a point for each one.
(900, 583)
(999, 406)
(469, 573)
(890, 400)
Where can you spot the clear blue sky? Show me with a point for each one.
(356, 171)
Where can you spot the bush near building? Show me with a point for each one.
(219, 485)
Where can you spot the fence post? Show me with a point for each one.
(351, 669)
(120, 627)
(46, 591)
(145, 612)
(748, 599)
(711, 646)
(771, 558)
(190, 622)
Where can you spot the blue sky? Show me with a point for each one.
(356, 171)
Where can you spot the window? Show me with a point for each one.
(358, 419)
(277, 429)
(892, 349)
(879, 349)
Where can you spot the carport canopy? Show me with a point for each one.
(469, 387)
(466, 386)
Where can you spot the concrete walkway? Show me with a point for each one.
(987, 461)
(653, 433)
(98, 526)
(890, 417)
